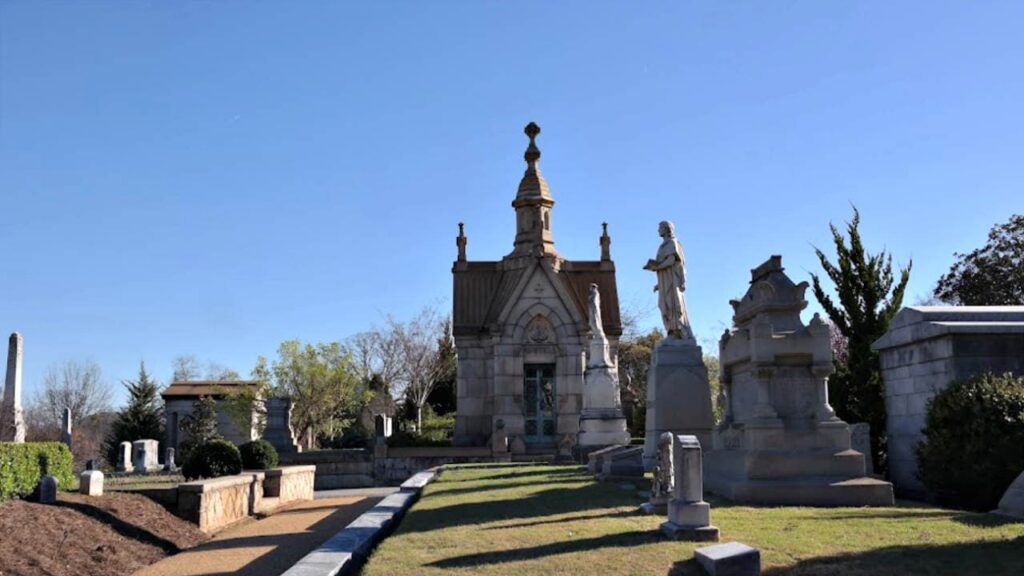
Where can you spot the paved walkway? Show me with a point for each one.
(270, 546)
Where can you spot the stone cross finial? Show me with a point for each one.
(460, 241)
(532, 153)
(606, 243)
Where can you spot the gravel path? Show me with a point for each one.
(270, 546)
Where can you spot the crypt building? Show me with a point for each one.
(521, 328)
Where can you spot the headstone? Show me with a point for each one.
(595, 459)
(729, 559)
(623, 464)
(860, 440)
(1012, 502)
(65, 431)
(779, 442)
(661, 483)
(382, 425)
(602, 422)
(145, 457)
(12, 421)
(499, 439)
(689, 516)
(90, 464)
(47, 490)
(124, 457)
(90, 483)
(169, 464)
(517, 446)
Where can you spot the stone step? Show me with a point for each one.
(765, 465)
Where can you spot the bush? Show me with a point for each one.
(22, 465)
(974, 441)
(403, 439)
(258, 455)
(213, 459)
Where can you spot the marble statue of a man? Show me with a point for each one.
(670, 266)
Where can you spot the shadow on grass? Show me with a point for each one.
(578, 518)
(1002, 558)
(510, 473)
(539, 504)
(126, 529)
(441, 491)
(621, 540)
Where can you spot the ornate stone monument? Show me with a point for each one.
(12, 422)
(279, 430)
(661, 482)
(678, 393)
(602, 422)
(780, 442)
(689, 516)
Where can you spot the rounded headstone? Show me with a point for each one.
(47, 490)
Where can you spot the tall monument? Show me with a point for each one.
(678, 393)
(602, 422)
(12, 422)
(523, 326)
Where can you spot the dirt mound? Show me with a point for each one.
(117, 533)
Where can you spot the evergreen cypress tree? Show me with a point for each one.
(443, 393)
(868, 299)
(141, 418)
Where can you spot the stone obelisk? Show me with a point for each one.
(12, 424)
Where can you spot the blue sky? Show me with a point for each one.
(215, 177)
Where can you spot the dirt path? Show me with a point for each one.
(265, 547)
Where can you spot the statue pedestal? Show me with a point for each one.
(602, 422)
(678, 395)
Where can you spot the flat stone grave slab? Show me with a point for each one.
(729, 559)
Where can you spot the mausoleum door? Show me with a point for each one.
(539, 402)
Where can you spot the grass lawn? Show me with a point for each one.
(556, 520)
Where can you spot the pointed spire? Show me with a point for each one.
(460, 241)
(606, 242)
(533, 186)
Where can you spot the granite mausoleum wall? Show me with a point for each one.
(926, 349)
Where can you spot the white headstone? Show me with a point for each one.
(145, 457)
(124, 457)
(689, 516)
(169, 464)
(12, 421)
(90, 483)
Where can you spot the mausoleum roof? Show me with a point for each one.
(916, 323)
(197, 388)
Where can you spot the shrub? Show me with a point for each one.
(22, 465)
(406, 439)
(354, 436)
(974, 441)
(258, 455)
(212, 459)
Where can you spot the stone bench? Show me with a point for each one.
(219, 502)
(289, 483)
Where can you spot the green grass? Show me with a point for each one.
(556, 520)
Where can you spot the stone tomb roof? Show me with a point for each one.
(915, 323)
(197, 388)
(482, 289)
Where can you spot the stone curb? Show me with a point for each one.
(345, 552)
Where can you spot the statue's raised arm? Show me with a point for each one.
(669, 265)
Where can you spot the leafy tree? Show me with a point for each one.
(322, 382)
(992, 275)
(141, 418)
(634, 360)
(869, 296)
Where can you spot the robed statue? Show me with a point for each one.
(670, 266)
(594, 309)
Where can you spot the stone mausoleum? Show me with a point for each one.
(521, 327)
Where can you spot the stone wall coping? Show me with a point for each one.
(345, 551)
(917, 323)
(213, 484)
(289, 470)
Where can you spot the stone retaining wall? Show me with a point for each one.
(290, 484)
(338, 468)
(360, 468)
(219, 502)
(402, 463)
